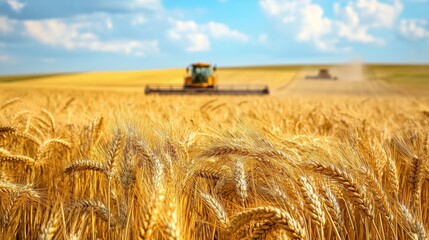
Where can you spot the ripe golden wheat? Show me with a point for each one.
(114, 165)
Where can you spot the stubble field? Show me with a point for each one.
(88, 156)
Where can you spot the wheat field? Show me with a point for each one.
(99, 162)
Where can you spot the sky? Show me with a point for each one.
(51, 36)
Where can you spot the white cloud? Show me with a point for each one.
(356, 33)
(198, 36)
(16, 5)
(6, 58)
(263, 38)
(357, 18)
(222, 31)
(376, 13)
(283, 8)
(414, 29)
(55, 32)
(147, 4)
(314, 24)
(286, 10)
(199, 42)
(352, 20)
(350, 27)
(6, 24)
(109, 23)
(139, 20)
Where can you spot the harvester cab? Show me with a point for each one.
(200, 75)
(201, 78)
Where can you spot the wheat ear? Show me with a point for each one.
(352, 189)
(8, 187)
(261, 230)
(85, 165)
(22, 193)
(49, 229)
(48, 144)
(87, 206)
(392, 178)
(281, 219)
(416, 179)
(51, 119)
(151, 214)
(6, 156)
(6, 130)
(171, 229)
(417, 228)
(240, 180)
(9, 102)
(217, 208)
(378, 193)
(313, 201)
(334, 209)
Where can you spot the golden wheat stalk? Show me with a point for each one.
(281, 219)
(261, 230)
(87, 206)
(7, 187)
(402, 147)
(158, 175)
(19, 114)
(334, 209)
(50, 227)
(416, 180)
(143, 150)
(22, 194)
(418, 231)
(240, 180)
(5, 177)
(427, 174)
(50, 118)
(85, 165)
(378, 193)
(6, 130)
(208, 173)
(275, 194)
(228, 150)
(28, 137)
(171, 229)
(352, 189)
(313, 201)
(67, 104)
(9, 103)
(97, 130)
(151, 213)
(6, 156)
(217, 208)
(128, 171)
(260, 154)
(117, 145)
(49, 144)
(392, 178)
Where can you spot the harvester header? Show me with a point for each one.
(201, 78)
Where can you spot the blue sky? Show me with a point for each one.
(80, 35)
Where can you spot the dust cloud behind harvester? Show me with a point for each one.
(352, 71)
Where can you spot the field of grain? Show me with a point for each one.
(87, 158)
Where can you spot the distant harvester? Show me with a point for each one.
(323, 75)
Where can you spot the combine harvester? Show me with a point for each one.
(200, 79)
(323, 75)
